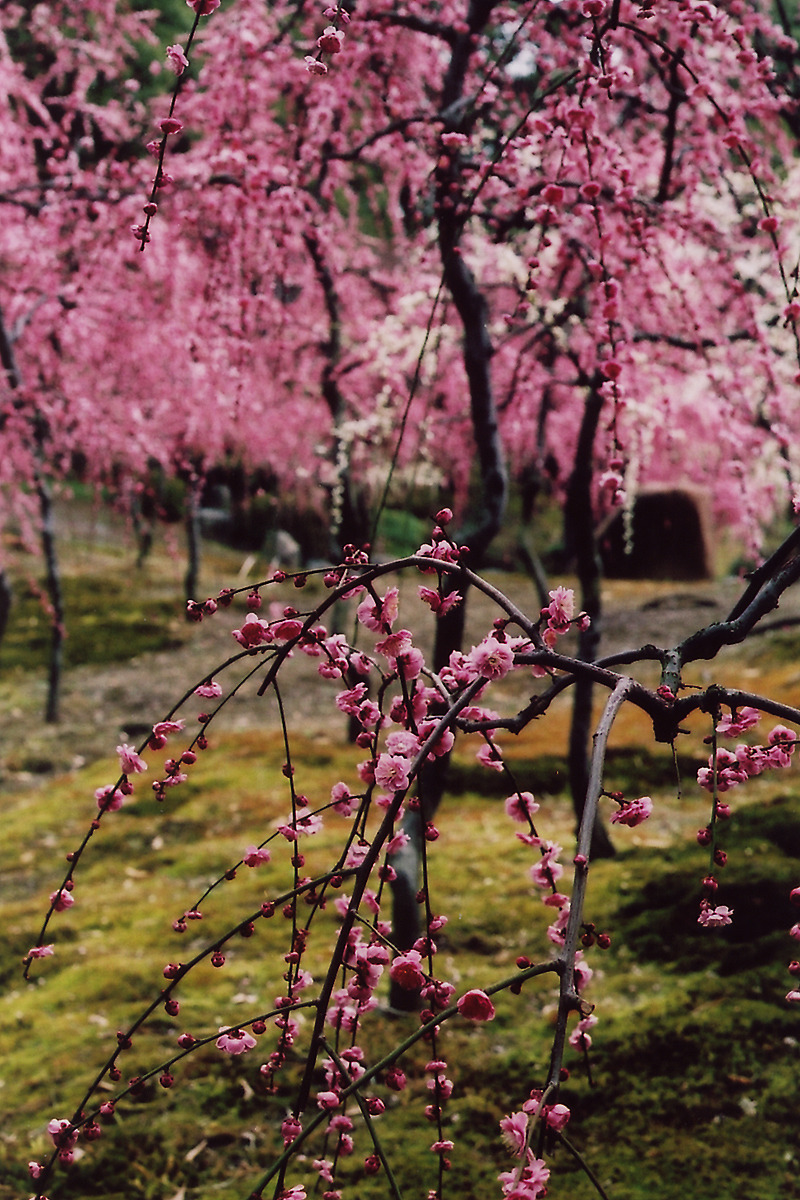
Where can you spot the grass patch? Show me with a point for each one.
(109, 620)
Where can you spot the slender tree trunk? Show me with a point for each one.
(56, 598)
(191, 580)
(47, 531)
(6, 599)
(582, 545)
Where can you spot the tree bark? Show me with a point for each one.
(6, 599)
(191, 580)
(56, 598)
(477, 350)
(582, 547)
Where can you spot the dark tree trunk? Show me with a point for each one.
(56, 598)
(477, 352)
(582, 547)
(191, 581)
(46, 532)
(6, 599)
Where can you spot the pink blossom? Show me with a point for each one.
(394, 644)
(348, 701)
(547, 870)
(63, 1133)
(557, 1116)
(253, 632)
(713, 918)
(402, 742)
(582, 975)
(561, 607)
(633, 812)
(752, 760)
(444, 742)
(235, 1041)
(165, 728)
(409, 664)
(203, 8)
(491, 659)
(438, 603)
(729, 772)
(285, 630)
(514, 1129)
(489, 756)
(328, 1100)
(530, 1185)
(782, 741)
(395, 844)
(793, 996)
(341, 799)
(61, 900)
(109, 799)
(40, 951)
(331, 41)
(391, 772)
(732, 725)
(521, 806)
(255, 856)
(209, 691)
(130, 762)
(475, 1005)
(290, 1128)
(176, 58)
(379, 616)
(580, 1038)
(406, 970)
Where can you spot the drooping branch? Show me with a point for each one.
(569, 1000)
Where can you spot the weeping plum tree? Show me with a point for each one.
(440, 243)
(512, 234)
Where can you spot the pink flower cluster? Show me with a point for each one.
(731, 768)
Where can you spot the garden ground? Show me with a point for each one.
(694, 1066)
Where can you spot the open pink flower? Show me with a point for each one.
(633, 812)
(165, 728)
(521, 806)
(713, 918)
(40, 951)
(235, 1041)
(130, 762)
(176, 59)
(560, 609)
(732, 725)
(61, 900)
(491, 659)
(255, 856)
(391, 772)
(209, 691)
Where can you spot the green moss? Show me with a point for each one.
(110, 618)
(694, 1062)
